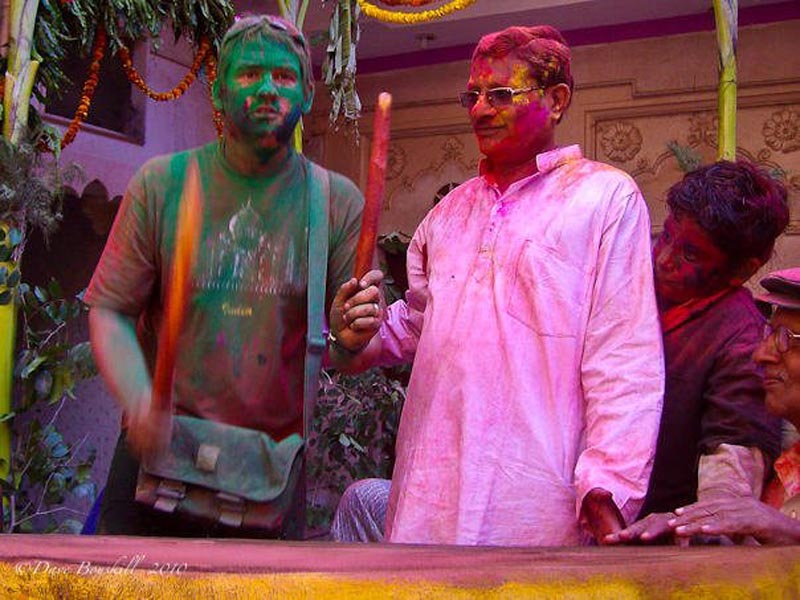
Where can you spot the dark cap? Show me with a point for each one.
(783, 288)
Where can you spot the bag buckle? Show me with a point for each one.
(169, 493)
(231, 509)
(207, 457)
(316, 343)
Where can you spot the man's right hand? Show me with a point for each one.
(651, 529)
(149, 429)
(357, 311)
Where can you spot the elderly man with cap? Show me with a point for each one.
(537, 378)
(240, 355)
(773, 520)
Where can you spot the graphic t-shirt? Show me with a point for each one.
(240, 354)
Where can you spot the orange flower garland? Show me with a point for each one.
(211, 74)
(178, 90)
(100, 42)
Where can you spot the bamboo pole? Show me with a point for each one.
(726, 16)
(21, 71)
(8, 313)
(19, 80)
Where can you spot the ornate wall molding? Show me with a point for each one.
(635, 133)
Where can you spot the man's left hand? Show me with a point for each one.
(736, 518)
(600, 516)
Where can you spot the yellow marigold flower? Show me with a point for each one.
(411, 18)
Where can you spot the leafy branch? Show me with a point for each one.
(353, 438)
(45, 468)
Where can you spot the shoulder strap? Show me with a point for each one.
(318, 190)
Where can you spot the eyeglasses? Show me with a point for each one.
(781, 335)
(499, 96)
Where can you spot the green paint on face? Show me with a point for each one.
(261, 95)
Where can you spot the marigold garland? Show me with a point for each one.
(89, 86)
(211, 74)
(411, 18)
(178, 90)
(406, 2)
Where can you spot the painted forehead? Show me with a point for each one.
(508, 70)
(689, 231)
(265, 51)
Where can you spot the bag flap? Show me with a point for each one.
(242, 462)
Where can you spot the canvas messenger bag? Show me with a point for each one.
(215, 473)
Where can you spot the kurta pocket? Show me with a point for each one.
(548, 292)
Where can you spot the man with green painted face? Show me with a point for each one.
(240, 354)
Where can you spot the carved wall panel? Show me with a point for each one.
(657, 142)
(432, 147)
(417, 173)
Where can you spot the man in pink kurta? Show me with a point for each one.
(537, 380)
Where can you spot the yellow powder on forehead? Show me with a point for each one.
(520, 75)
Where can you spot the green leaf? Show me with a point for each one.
(63, 382)
(7, 416)
(32, 366)
(85, 490)
(40, 293)
(357, 446)
(71, 526)
(14, 278)
(54, 288)
(26, 527)
(7, 487)
(83, 473)
(59, 451)
(43, 384)
(52, 438)
(15, 237)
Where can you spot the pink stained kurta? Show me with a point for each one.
(538, 365)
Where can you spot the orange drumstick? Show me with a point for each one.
(187, 234)
(376, 180)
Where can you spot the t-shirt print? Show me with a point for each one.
(251, 258)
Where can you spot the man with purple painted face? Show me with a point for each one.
(241, 352)
(716, 438)
(537, 377)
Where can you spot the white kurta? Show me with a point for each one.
(538, 366)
